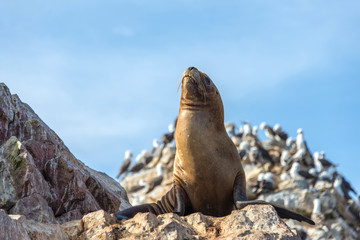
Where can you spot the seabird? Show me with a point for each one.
(295, 172)
(290, 143)
(285, 176)
(156, 145)
(230, 129)
(254, 130)
(244, 148)
(240, 133)
(160, 169)
(320, 162)
(284, 158)
(342, 186)
(141, 160)
(254, 155)
(247, 128)
(125, 166)
(327, 174)
(280, 135)
(316, 213)
(302, 152)
(300, 143)
(264, 183)
(269, 132)
(141, 185)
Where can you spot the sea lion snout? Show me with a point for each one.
(192, 73)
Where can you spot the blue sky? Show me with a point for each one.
(104, 75)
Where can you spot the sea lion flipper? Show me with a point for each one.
(181, 200)
(132, 211)
(282, 212)
(239, 191)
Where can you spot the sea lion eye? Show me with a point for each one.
(207, 79)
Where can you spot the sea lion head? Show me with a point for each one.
(197, 89)
(200, 95)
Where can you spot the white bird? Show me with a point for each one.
(284, 176)
(295, 172)
(269, 133)
(300, 143)
(171, 128)
(247, 128)
(254, 130)
(290, 143)
(230, 128)
(337, 185)
(284, 158)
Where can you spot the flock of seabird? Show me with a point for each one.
(295, 159)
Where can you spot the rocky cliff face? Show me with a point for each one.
(39, 177)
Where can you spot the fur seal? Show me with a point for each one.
(208, 175)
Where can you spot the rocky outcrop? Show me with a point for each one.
(39, 177)
(253, 222)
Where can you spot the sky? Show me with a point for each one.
(104, 75)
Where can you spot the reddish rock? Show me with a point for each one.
(39, 176)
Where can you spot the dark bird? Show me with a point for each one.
(136, 188)
(125, 166)
(140, 162)
(320, 162)
(269, 132)
(342, 186)
(158, 179)
(280, 135)
(265, 183)
(296, 172)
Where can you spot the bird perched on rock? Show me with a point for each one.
(230, 129)
(265, 183)
(284, 158)
(296, 172)
(280, 135)
(244, 148)
(320, 162)
(269, 132)
(125, 166)
(160, 170)
(254, 130)
(290, 143)
(247, 128)
(302, 151)
(317, 215)
(342, 187)
(142, 184)
(141, 160)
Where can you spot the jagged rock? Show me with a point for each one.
(18, 227)
(252, 222)
(39, 176)
(299, 200)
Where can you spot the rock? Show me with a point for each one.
(300, 200)
(39, 176)
(252, 222)
(18, 227)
